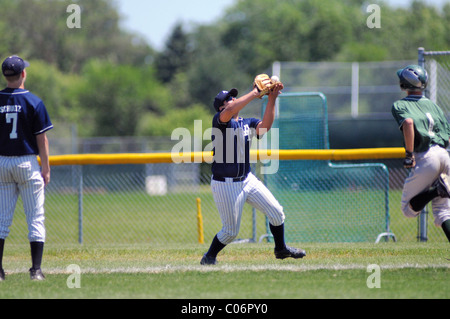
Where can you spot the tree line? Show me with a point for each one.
(110, 82)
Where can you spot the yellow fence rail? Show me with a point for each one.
(196, 157)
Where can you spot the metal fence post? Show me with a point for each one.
(276, 70)
(254, 231)
(422, 57)
(422, 221)
(355, 90)
(80, 204)
(77, 180)
(422, 226)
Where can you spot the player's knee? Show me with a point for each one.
(277, 219)
(36, 232)
(36, 237)
(275, 214)
(409, 212)
(4, 232)
(226, 237)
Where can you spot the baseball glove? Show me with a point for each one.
(264, 84)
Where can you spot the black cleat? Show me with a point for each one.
(443, 186)
(36, 275)
(206, 260)
(290, 252)
(2, 275)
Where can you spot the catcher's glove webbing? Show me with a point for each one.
(264, 84)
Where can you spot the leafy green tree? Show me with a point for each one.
(163, 125)
(114, 83)
(175, 57)
(115, 97)
(57, 90)
(329, 30)
(40, 32)
(214, 67)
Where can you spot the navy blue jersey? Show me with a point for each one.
(22, 116)
(232, 143)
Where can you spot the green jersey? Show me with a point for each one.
(430, 125)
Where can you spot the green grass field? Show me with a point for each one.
(131, 250)
(245, 271)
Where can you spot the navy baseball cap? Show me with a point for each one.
(223, 96)
(14, 65)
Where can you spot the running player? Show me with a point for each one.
(232, 182)
(426, 134)
(24, 122)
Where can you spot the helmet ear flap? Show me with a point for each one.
(403, 86)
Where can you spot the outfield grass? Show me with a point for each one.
(245, 271)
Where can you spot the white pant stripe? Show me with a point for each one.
(22, 176)
(230, 199)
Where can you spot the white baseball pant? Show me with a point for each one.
(230, 198)
(22, 176)
(429, 165)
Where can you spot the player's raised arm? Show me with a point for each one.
(234, 106)
(269, 115)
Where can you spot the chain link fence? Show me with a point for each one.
(157, 203)
(437, 63)
(102, 204)
(355, 89)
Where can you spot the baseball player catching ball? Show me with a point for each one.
(24, 122)
(426, 134)
(233, 183)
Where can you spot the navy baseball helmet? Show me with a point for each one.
(223, 96)
(413, 77)
(14, 65)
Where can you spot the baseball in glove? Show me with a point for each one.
(264, 84)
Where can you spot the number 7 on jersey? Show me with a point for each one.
(11, 118)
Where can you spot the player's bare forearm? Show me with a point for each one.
(232, 109)
(43, 147)
(267, 120)
(408, 134)
(269, 115)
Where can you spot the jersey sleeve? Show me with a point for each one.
(400, 114)
(254, 122)
(41, 120)
(253, 125)
(216, 121)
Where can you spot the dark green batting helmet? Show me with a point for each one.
(413, 77)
